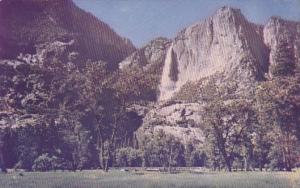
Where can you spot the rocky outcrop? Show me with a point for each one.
(283, 39)
(152, 54)
(52, 52)
(182, 120)
(28, 24)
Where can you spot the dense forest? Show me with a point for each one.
(83, 123)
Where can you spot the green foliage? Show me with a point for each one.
(27, 147)
(162, 151)
(207, 89)
(228, 126)
(194, 156)
(278, 107)
(197, 158)
(45, 162)
(284, 61)
(128, 157)
(136, 84)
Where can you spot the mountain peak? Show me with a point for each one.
(229, 14)
(228, 10)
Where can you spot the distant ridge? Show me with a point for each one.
(27, 23)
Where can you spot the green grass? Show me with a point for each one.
(117, 179)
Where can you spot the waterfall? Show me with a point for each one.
(167, 85)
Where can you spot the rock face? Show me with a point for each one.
(223, 51)
(27, 24)
(183, 120)
(152, 54)
(283, 39)
(142, 70)
(225, 43)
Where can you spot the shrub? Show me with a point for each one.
(45, 162)
(121, 157)
(128, 157)
(135, 158)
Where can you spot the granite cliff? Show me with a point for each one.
(223, 55)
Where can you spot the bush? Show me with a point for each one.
(26, 158)
(163, 150)
(45, 162)
(121, 157)
(135, 158)
(128, 157)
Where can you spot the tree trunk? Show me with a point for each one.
(221, 141)
(287, 162)
(170, 159)
(102, 160)
(101, 154)
(261, 161)
(2, 163)
(106, 165)
(246, 164)
(260, 165)
(100, 143)
(108, 158)
(286, 153)
(74, 159)
(228, 164)
(226, 158)
(289, 154)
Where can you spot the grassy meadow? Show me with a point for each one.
(118, 179)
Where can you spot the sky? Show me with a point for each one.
(144, 20)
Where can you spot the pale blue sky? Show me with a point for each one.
(143, 20)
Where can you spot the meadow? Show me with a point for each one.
(119, 179)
